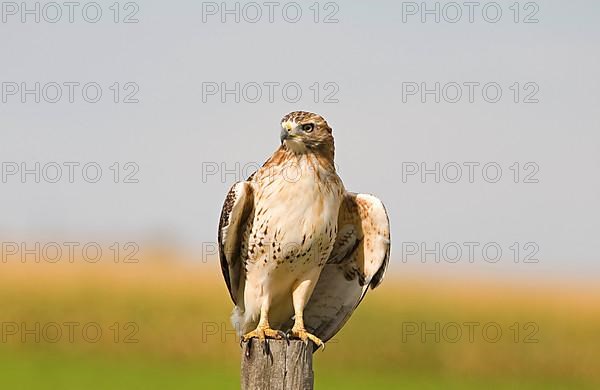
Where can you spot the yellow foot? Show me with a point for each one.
(302, 334)
(262, 333)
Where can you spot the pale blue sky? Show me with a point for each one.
(369, 54)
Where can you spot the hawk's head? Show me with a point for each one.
(305, 132)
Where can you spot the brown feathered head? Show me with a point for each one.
(306, 132)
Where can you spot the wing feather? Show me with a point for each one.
(234, 218)
(358, 261)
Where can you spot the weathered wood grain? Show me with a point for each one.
(284, 367)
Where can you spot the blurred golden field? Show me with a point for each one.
(164, 323)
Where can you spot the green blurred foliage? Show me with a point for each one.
(167, 326)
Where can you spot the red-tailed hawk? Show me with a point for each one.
(298, 252)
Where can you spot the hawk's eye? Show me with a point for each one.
(308, 127)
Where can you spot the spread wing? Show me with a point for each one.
(358, 261)
(234, 217)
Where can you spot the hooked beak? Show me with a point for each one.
(286, 129)
(284, 134)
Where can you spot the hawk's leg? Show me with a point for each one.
(263, 331)
(300, 296)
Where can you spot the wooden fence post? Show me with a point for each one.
(285, 367)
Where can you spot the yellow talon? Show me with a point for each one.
(303, 335)
(262, 333)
